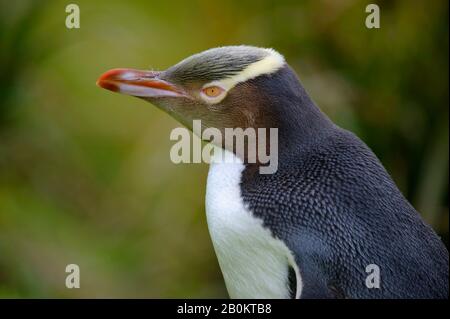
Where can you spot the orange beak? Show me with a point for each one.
(138, 83)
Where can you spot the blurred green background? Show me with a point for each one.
(85, 175)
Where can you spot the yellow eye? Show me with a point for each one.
(212, 91)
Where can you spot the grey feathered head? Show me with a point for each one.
(216, 64)
(223, 87)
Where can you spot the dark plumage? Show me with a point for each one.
(334, 205)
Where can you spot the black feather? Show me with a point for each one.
(335, 206)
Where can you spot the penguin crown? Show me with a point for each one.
(229, 64)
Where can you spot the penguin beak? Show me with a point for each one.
(138, 83)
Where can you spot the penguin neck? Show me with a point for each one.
(301, 126)
(282, 104)
(288, 107)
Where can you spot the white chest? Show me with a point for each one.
(254, 264)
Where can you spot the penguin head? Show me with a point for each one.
(228, 87)
(222, 87)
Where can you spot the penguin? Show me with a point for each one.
(329, 222)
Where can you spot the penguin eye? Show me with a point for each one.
(212, 91)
